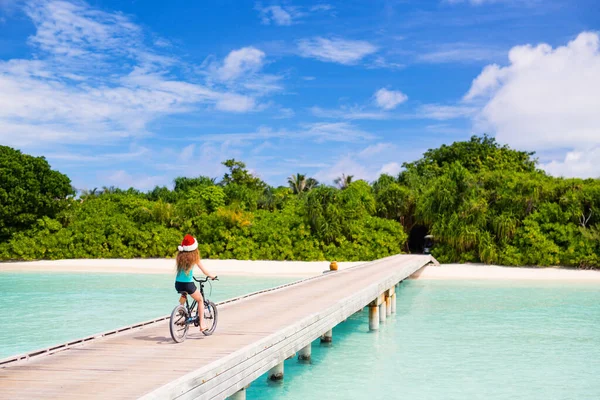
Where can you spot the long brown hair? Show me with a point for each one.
(187, 259)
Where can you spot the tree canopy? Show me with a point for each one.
(29, 190)
(482, 201)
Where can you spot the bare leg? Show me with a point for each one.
(198, 297)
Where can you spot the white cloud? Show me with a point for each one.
(235, 103)
(7, 6)
(346, 165)
(392, 168)
(321, 7)
(389, 99)
(546, 98)
(381, 62)
(187, 153)
(123, 179)
(286, 15)
(246, 60)
(487, 82)
(261, 84)
(444, 112)
(582, 164)
(161, 42)
(241, 71)
(75, 30)
(62, 94)
(95, 157)
(284, 113)
(350, 113)
(205, 159)
(368, 163)
(335, 132)
(439, 112)
(375, 149)
(266, 145)
(318, 132)
(337, 50)
(278, 15)
(461, 52)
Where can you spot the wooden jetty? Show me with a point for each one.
(255, 334)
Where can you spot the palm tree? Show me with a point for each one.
(88, 193)
(300, 183)
(110, 190)
(297, 183)
(343, 181)
(311, 183)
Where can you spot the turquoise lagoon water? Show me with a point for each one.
(459, 340)
(449, 339)
(39, 310)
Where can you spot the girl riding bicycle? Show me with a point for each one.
(187, 257)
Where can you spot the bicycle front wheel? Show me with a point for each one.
(178, 324)
(210, 317)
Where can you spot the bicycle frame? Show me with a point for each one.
(183, 316)
(192, 307)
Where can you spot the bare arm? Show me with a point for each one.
(205, 271)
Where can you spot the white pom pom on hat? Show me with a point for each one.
(189, 243)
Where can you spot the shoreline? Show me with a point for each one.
(299, 269)
(498, 272)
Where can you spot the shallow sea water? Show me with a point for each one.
(40, 310)
(459, 340)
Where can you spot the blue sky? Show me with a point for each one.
(135, 93)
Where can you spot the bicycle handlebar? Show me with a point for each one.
(205, 279)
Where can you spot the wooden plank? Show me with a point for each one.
(204, 376)
(144, 360)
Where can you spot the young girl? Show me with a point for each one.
(187, 257)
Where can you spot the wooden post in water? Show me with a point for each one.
(373, 317)
(305, 353)
(394, 300)
(327, 337)
(388, 303)
(239, 395)
(276, 373)
(382, 314)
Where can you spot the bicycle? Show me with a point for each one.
(183, 315)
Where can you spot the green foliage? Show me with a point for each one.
(482, 202)
(241, 187)
(109, 226)
(29, 190)
(487, 203)
(343, 181)
(239, 175)
(183, 184)
(213, 197)
(478, 154)
(299, 183)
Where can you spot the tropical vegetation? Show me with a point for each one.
(482, 202)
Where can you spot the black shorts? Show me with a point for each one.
(188, 287)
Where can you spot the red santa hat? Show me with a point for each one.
(189, 243)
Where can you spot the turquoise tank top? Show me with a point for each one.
(183, 277)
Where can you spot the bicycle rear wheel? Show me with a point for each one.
(178, 324)
(210, 317)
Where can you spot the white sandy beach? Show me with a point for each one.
(297, 269)
(167, 266)
(495, 272)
